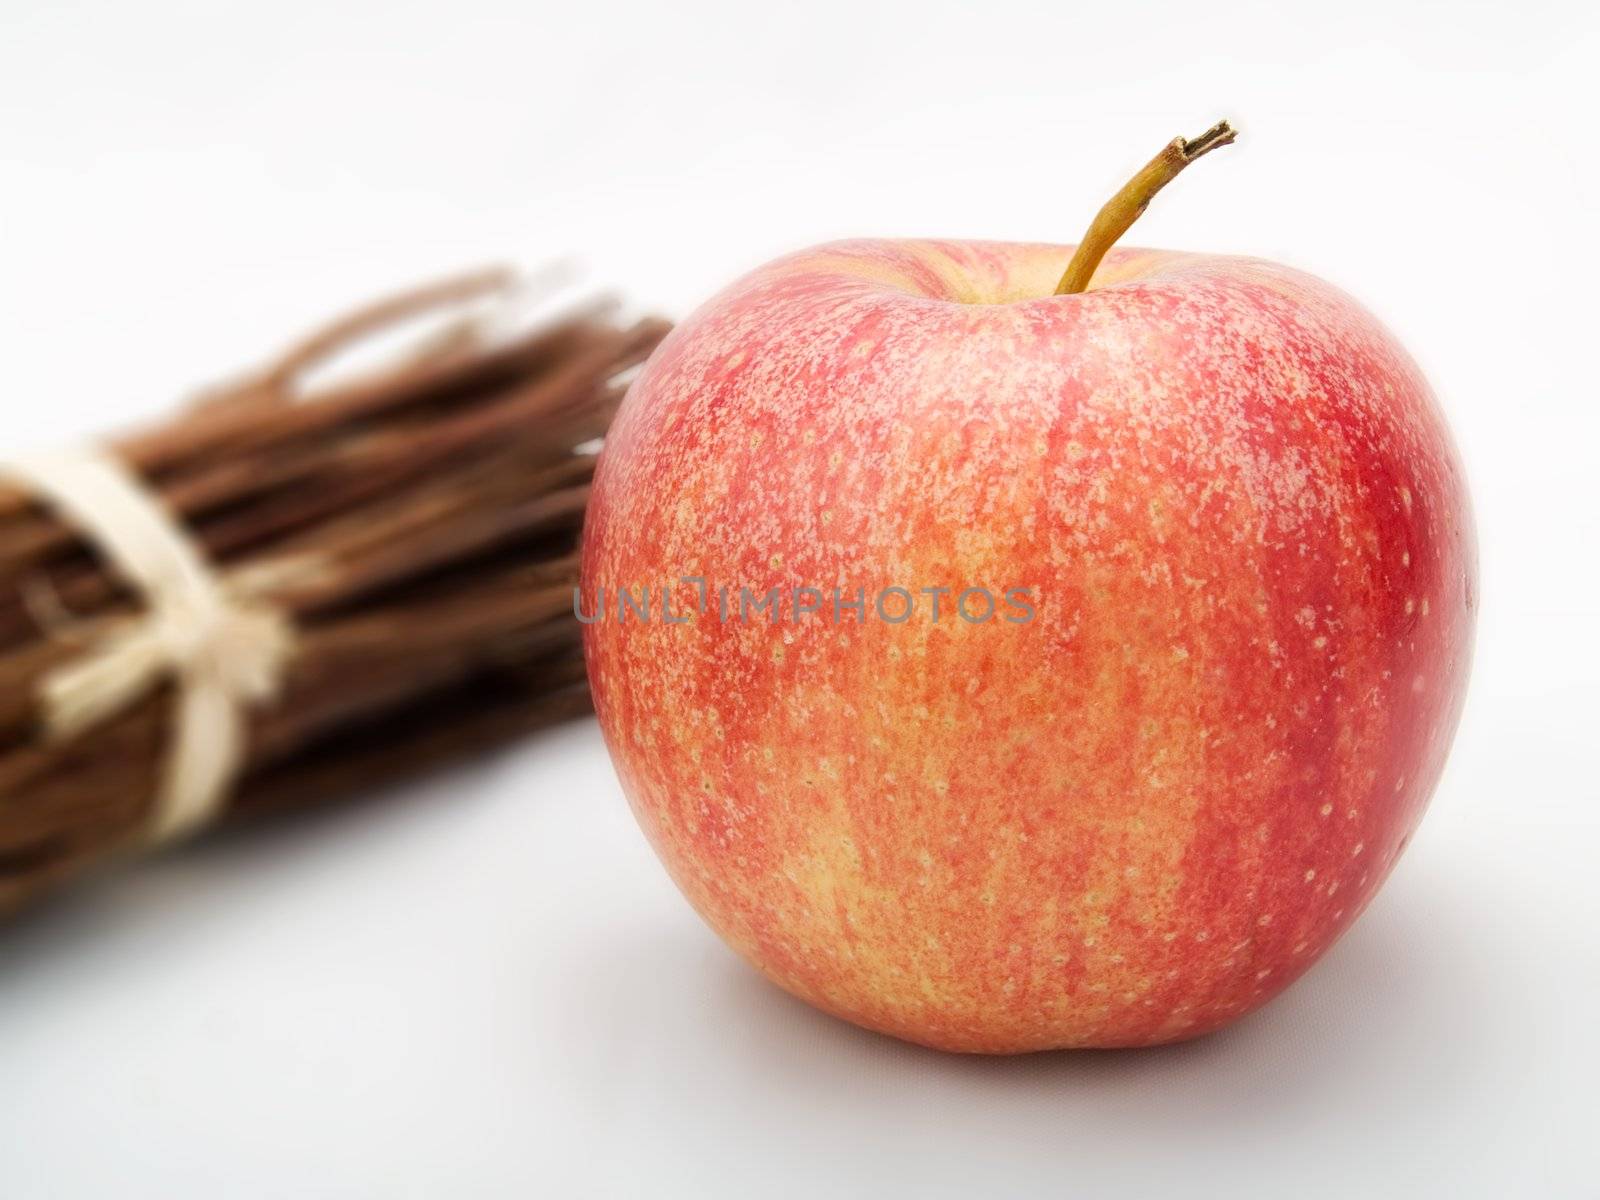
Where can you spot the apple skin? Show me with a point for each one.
(1128, 821)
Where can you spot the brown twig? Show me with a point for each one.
(420, 525)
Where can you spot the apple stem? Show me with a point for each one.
(1123, 209)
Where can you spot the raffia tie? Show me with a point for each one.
(224, 651)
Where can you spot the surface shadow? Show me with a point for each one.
(137, 896)
(1379, 1022)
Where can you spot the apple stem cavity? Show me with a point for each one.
(1123, 209)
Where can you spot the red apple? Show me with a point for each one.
(1135, 816)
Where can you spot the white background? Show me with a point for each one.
(485, 986)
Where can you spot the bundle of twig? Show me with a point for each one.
(414, 527)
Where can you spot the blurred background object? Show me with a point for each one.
(413, 527)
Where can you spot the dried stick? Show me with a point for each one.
(420, 526)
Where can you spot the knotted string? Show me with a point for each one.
(223, 651)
